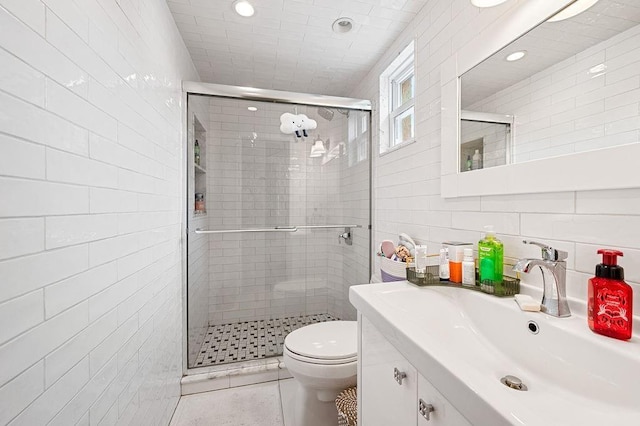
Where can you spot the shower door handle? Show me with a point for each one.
(346, 236)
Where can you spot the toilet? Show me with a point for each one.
(322, 358)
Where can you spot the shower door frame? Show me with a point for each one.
(254, 94)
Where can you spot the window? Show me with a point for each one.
(397, 101)
(358, 140)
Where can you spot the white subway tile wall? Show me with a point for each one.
(407, 181)
(91, 180)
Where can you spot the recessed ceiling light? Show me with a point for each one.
(572, 10)
(515, 56)
(486, 3)
(252, 108)
(342, 25)
(243, 8)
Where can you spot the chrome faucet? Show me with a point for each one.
(554, 278)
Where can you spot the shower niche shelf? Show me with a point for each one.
(199, 170)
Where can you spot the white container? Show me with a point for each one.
(444, 264)
(455, 250)
(468, 268)
(421, 259)
(476, 162)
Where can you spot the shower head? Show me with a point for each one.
(325, 113)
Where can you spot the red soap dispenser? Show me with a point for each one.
(610, 305)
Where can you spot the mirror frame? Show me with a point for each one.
(606, 168)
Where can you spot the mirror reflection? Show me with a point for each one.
(570, 85)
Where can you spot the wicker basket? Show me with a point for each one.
(347, 405)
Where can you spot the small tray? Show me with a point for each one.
(510, 286)
(430, 277)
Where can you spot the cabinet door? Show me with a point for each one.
(443, 414)
(384, 401)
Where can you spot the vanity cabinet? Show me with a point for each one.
(444, 414)
(391, 389)
(389, 383)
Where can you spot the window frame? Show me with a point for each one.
(401, 69)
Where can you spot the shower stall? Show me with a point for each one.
(278, 223)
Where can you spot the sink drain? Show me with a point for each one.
(513, 382)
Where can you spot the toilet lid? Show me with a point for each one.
(325, 340)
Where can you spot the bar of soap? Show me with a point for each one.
(527, 303)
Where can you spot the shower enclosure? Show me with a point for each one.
(278, 226)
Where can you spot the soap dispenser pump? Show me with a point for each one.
(610, 303)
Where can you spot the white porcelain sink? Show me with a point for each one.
(465, 341)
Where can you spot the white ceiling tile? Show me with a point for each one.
(289, 44)
(349, 7)
(184, 19)
(197, 11)
(187, 36)
(413, 6)
(392, 14)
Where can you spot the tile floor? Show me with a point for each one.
(263, 404)
(250, 340)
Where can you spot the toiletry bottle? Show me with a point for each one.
(610, 302)
(199, 207)
(469, 163)
(468, 268)
(196, 153)
(421, 260)
(456, 255)
(476, 163)
(444, 264)
(490, 259)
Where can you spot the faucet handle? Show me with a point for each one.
(548, 252)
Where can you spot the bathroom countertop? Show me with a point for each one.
(436, 332)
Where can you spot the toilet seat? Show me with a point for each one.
(326, 343)
(320, 361)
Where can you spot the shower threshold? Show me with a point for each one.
(250, 340)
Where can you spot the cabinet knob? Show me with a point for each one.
(425, 409)
(399, 375)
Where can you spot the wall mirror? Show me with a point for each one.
(549, 102)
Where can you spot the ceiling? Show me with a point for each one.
(289, 44)
(548, 44)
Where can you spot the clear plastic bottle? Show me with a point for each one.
(196, 153)
(490, 262)
(421, 259)
(468, 268)
(444, 264)
(476, 163)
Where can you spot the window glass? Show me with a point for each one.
(397, 101)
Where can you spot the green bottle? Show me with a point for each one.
(490, 262)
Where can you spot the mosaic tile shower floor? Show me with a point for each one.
(250, 340)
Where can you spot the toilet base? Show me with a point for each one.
(311, 411)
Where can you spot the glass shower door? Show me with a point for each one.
(263, 262)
